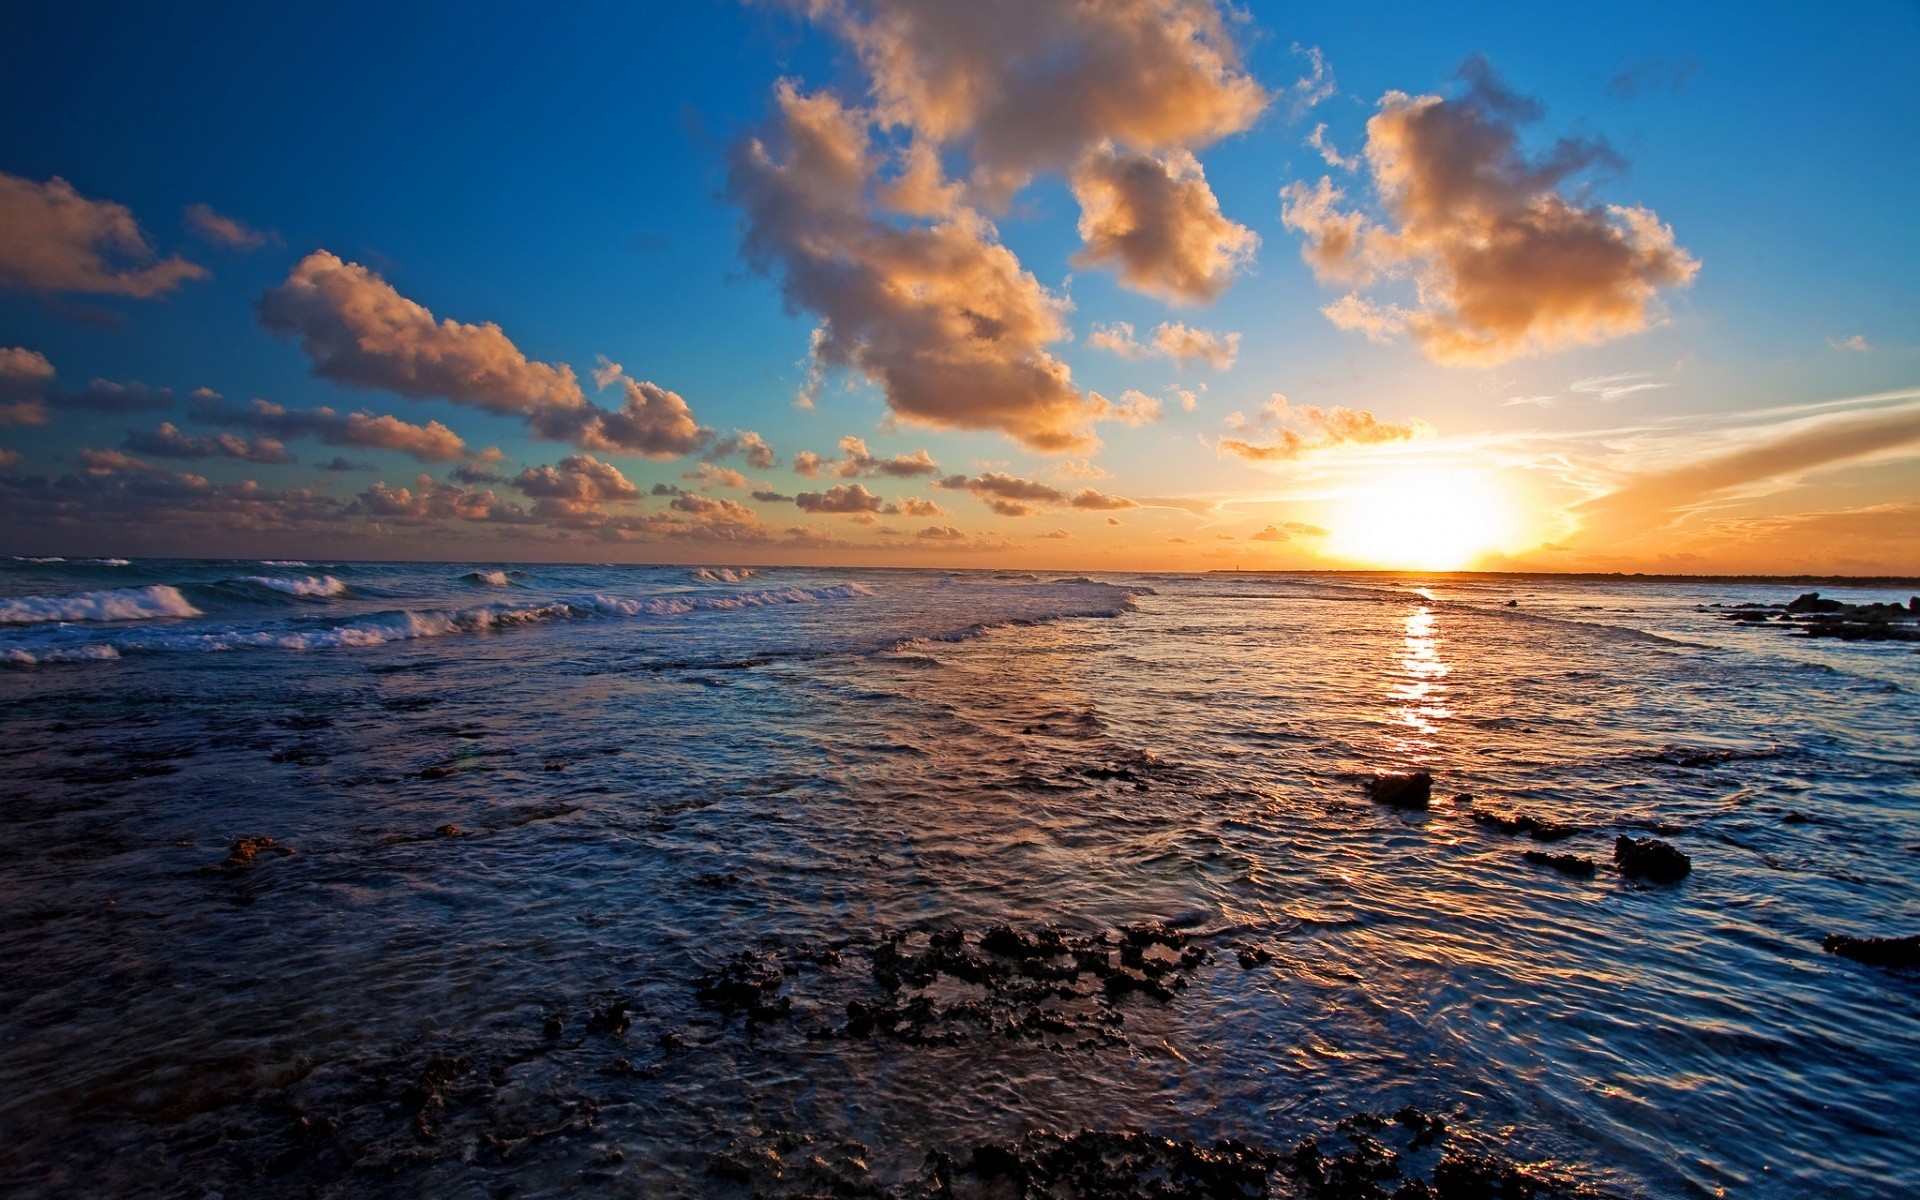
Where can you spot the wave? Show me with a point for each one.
(283, 562)
(722, 574)
(315, 586)
(398, 626)
(497, 579)
(117, 604)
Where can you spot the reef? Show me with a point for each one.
(1903, 952)
(1409, 791)
(1810, 615)
(1650, 858)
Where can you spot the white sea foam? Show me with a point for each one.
(723, 574)
(54, 654)
(306, 585)
(315, 586)
(118, 604)
(283, 562)
(488, 578)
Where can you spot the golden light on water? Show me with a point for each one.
(1431, 518)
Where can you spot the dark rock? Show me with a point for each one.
(612, 1018)
(748, 984)
(1811, 602)
(1650, 858)
(1533, 827)
(1411, 791)
(451, 830)
(1254, 956)
(437, 772)
(1795, 818)
(554, 1026)
(1875, 951)
(247, 851)
(1566, 864)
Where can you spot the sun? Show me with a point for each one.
(1430, 519)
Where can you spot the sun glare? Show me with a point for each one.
(1427, 519)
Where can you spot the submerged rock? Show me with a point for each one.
(1875, 951)
(1408, 791)
(247, 851)
(1532, 826)
(1566, 864)
(1650, 858)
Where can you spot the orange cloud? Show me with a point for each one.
(168, 442)
(432, 442)
(856, 461)
(53, 239)
(359, 331)
(223, 230)
(1302, 428)
(1155, 221)
(1503, 264)
(25, 376)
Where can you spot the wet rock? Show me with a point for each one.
(553, 1027)
(1123, 1164)
(1254, 956)
(1409, 791)
(246, 853)
(440, 772)
(749, 985)
(1902, 952)
(450, 830)
(1810, 602)
(1650, 858)
(1795, 818)
(1566, 864)
(1535, 828)
(716, 880)
(612, 1018)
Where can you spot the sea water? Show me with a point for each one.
(519, 813)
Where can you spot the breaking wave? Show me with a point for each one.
(497, 579)
(722, 574)
(116, 604)
(308, 585)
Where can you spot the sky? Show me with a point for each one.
(1069, 284)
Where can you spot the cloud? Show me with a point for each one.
(53, 239)
(856, 461)
(1313, 87)
(1611, 387)
(1502, 263)
(1304, 428)
(1856, 342)
(749, 445)
(1655, 498)
(916, 506)
(1116, 338)
(1029, 87)
(653, 422)
(430, 502)
(706, 475)
(846, 498)
(25, 376)
(1183, 344)
(359, 331)
(168, 442)
(940, 317)
(1154, 220)
(1328, 154)
(768, 496)
(432, 442)
(342, 463)
(106, 396)
(577, 477)
(1011, 496)
(1655, 74)
(1287, 531)
(9, 458)
(222, 230)
(1136, 408)
(1170, 339)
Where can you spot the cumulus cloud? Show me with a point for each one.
(748, 445)
(1170, 339)
(168, 442)
(1136, 408)
(1503, 264)
(223, 230)
(359, 331)
(1292, 430)
(102, 395)
(429, 501)
(856, 461)
(1157, 224)
(25, 376)
(432, 442)
(653, 422)
(846, 498)
(1184, 344)
(1011, 496)
(340, 462)
(706, 475)
(941, 317)
(53, 239)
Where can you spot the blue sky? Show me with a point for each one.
(564, 173)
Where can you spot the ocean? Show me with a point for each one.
(341, 879)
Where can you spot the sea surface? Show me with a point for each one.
(536, 830)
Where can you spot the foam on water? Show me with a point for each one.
(306, 586)
(117, 604)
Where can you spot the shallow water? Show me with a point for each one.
(652, 769)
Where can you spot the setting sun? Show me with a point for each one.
(1432, 519)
